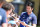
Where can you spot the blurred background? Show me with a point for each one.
(20, 7)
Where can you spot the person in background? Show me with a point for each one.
(28, 18)
(3, 17)
(8, 7)
(15, 18)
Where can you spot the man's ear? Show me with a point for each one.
(32, 8)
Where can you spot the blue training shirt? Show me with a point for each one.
(28, 19)
(2, 16)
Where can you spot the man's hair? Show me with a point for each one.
(30, 4)
(7, 6)
(1, 1)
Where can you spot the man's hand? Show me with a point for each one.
(23, 23)
(18, 23)
(34, 25)
(4, 25)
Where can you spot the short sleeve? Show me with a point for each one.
(34, 20)
(4, 18)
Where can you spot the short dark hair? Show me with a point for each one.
(30, 4)
(7, 6)
(1, 1)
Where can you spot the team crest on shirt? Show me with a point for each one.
(0, 17)
(30, 17)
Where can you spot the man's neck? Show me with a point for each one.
(6, 14)
(0, 6)
(29, 13)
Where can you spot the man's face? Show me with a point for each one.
(29, 9)
(9, 11)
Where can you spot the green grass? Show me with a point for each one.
(38, 26)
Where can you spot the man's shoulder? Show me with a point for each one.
(34, 15)
(2, 10)
(23, 12)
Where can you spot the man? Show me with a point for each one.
(8, 7)
(28, 18)
(2, 15)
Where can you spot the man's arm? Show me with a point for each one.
(23, 23)
(34, 22)
(34, 25)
